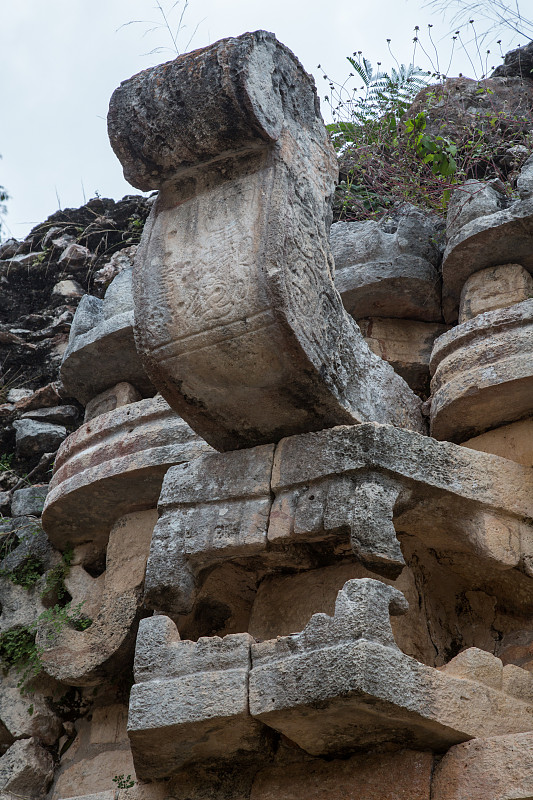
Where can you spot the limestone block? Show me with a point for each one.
(389, 268)
(212, 509)
(405, 775)
(29, 501)
(342, 683)
(492, 768)
(337, 492)
(237, 319)
(484, 229)
(16, 721)
(120, 395)
(114, 465)
(34, 438)
(26, 770)
(101, 349)
(87, 658)
(451, 503)
(190, 700)
(494, 287)
(483, 373)
(513, 441)
(405, 344)
(92, 777)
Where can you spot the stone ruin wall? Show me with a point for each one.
(303, 547)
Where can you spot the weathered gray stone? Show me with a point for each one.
(101, 349)
(114, 465)
(60, 415)
(120, 395)
(31, 543)
(483, 373)
(34, 438)
(190, 700)
(524, 182)
(14, 395)
(389, 268)
(339, 490)
(73, 254)
(342, 683)
(212, 509)
(29, 501)
(484, 229)
(26, 770)
(237, 318)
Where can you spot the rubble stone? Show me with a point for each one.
(59, 415)
(34, 438)
(389, 268)
(226, 320)
(29, 501)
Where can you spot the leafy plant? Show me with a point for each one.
(6, 460)
(26, 574)
(19, 649)
(123, 781)
(55, 577)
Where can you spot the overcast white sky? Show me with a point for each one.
(60, 61)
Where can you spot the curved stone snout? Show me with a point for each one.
(237, 319)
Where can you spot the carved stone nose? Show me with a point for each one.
(238, 321)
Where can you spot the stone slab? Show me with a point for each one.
(389, 268)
